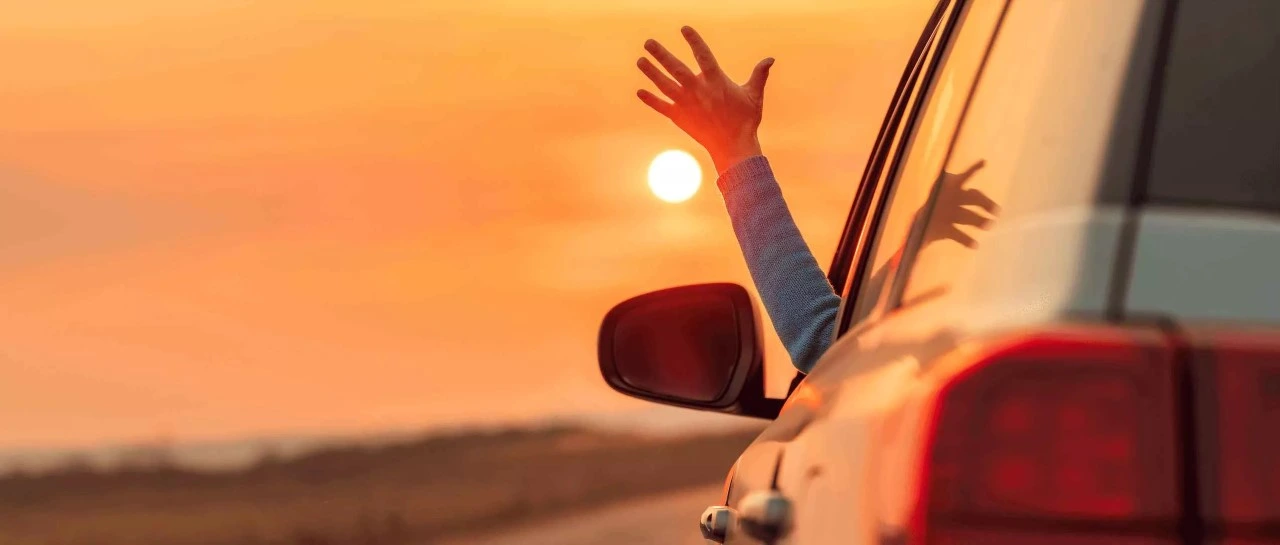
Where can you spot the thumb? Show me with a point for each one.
(755, 85)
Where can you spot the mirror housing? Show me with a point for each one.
(692, 346)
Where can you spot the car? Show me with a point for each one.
(1101, 363)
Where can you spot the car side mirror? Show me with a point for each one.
(693, 346)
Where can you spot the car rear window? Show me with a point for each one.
(1218, 132)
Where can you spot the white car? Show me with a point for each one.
(1100, 365)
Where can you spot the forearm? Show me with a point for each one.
(795, 292)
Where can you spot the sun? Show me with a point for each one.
(674, 176)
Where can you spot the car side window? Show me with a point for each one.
(1217, 134)
(1029, 141)
(913, 179)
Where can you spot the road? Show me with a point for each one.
(662, 520)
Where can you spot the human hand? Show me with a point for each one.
(718, 113)
(950, 210)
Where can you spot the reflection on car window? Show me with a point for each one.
(922, 171)
(959, 213)
(1034, 156)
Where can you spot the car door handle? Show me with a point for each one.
(765, 515)
(715, 522)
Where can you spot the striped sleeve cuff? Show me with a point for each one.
(751, 169)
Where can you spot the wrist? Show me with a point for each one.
(736, 153)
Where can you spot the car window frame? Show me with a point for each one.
(867, 213)
(916, 238)
(846, 248)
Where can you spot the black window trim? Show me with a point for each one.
(851, 249)
(912, 247)
(838, 273)
(865, 215)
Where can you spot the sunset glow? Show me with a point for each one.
(229, 218)
(674, 176)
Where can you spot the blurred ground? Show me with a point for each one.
(669, 519)
(465, 485)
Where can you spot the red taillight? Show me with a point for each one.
(1043, 537)
(1075, 436)
(1072, 427)
(1239, 442)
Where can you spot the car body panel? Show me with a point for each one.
(851, 435)
(1074, 243)
(1194, 265)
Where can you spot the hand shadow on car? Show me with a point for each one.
(951, 205)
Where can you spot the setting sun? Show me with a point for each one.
(674, 176)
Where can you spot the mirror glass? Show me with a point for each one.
(682, 345)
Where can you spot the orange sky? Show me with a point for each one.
(222, 218)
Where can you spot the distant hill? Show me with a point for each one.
(410, 491)
(242, 452)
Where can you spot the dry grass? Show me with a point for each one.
(412, 492)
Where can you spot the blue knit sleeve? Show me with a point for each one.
(796, 294)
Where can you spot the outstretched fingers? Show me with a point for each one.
(759, 76)
(975, 197)
(965, 216)
(665, 84)
(954, 233)
(677, 69)
(969, 172)
(701, 51)
(661, 106)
